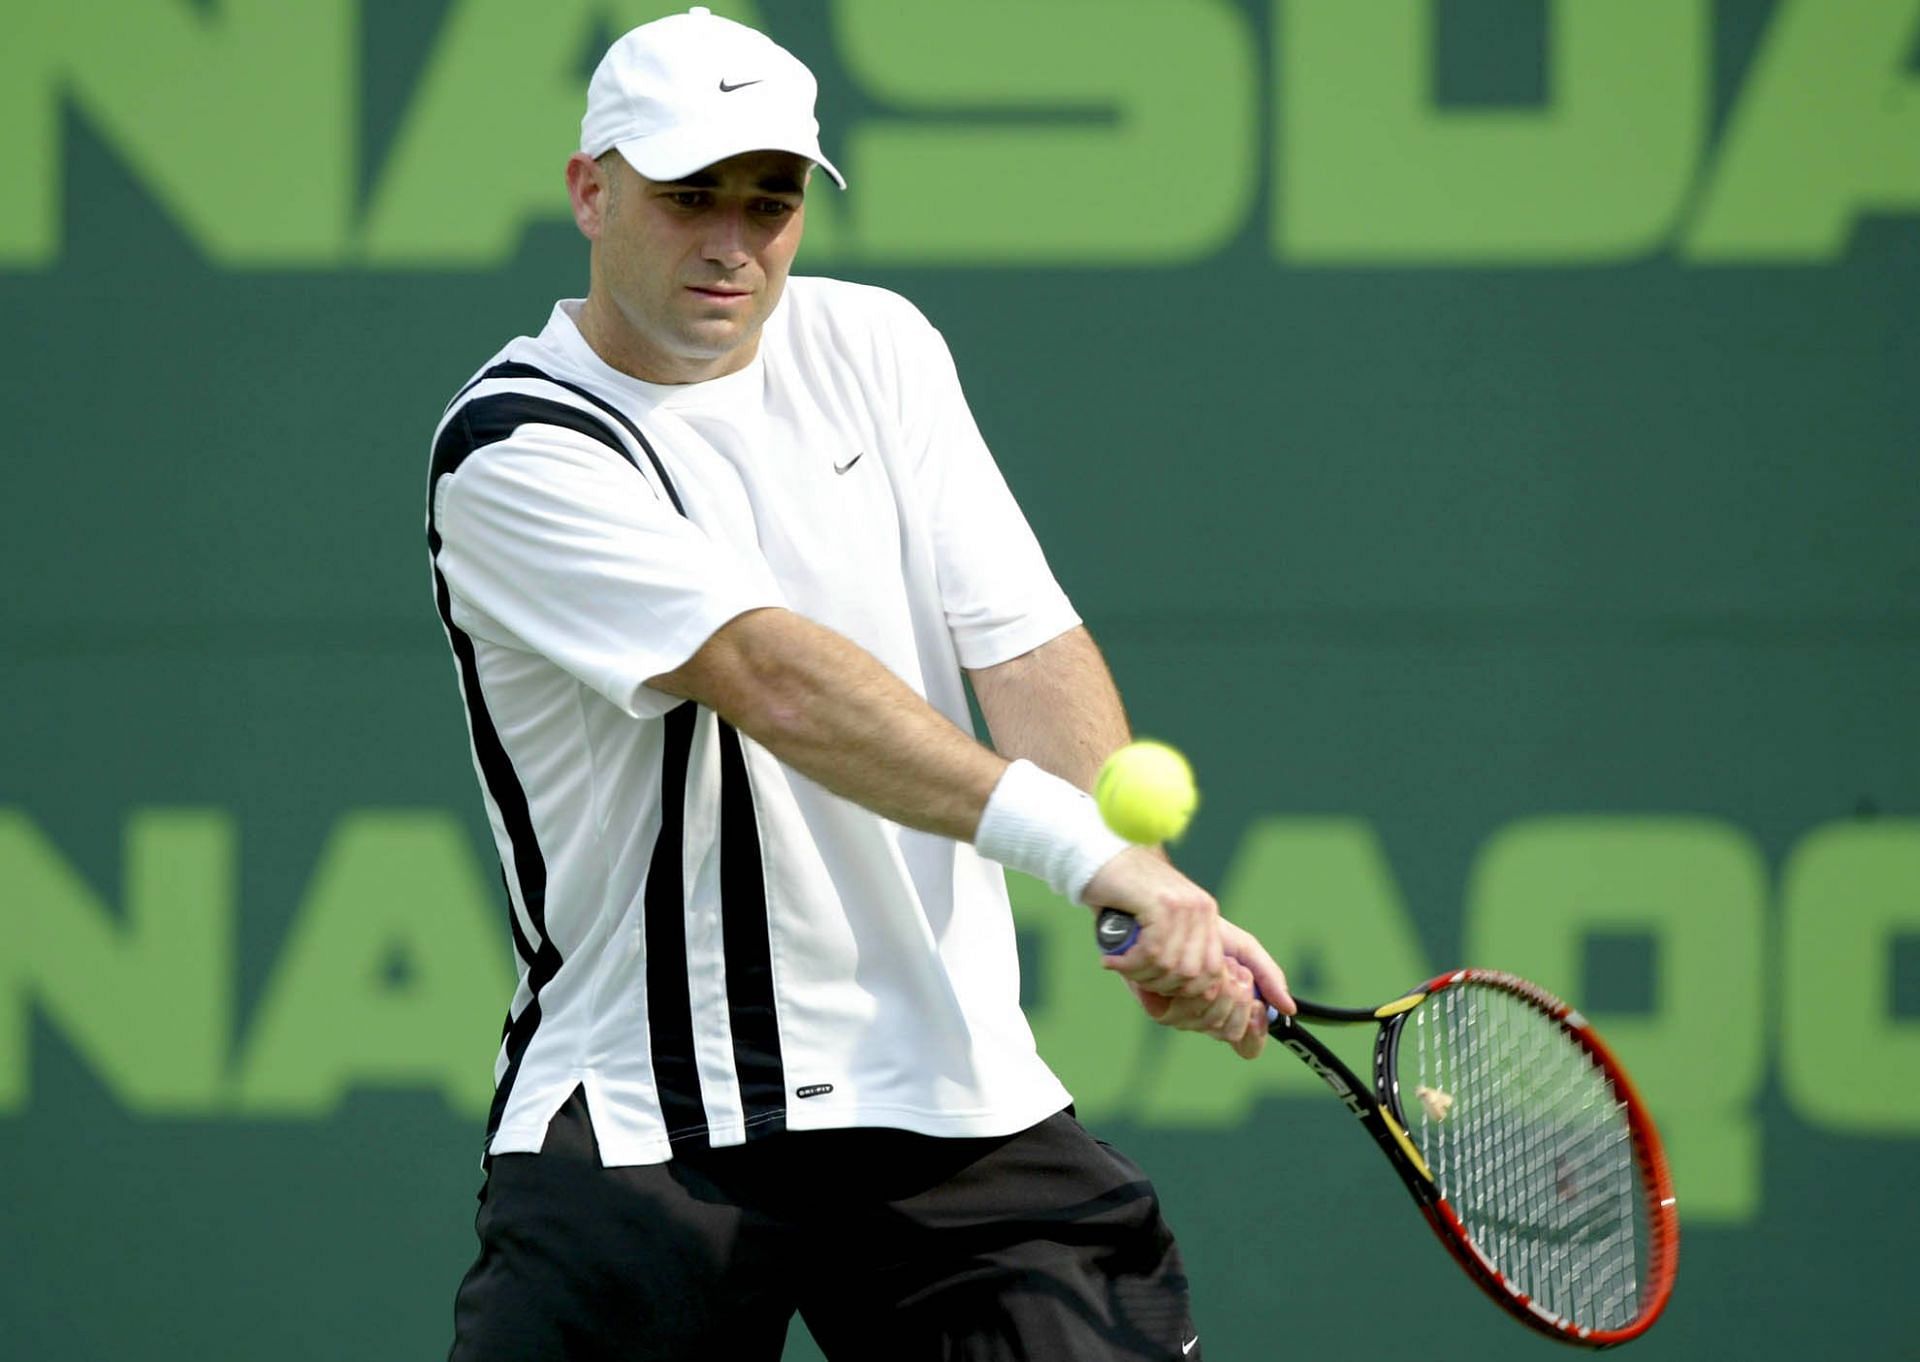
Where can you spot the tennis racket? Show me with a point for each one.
(1521, 1140)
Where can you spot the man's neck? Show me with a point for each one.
(607, 333)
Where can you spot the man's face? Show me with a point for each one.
(686, 271)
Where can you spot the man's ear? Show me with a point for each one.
(589, 187)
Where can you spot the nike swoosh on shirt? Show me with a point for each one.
(727, 89)
(1187, 1347)
(843, 467)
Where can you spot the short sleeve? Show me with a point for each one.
(557, 545)
(1000, 596)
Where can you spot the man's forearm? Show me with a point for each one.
(1057, 706)
(833, 712)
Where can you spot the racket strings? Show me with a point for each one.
(1532, 1148)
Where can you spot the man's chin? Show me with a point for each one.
(710, 346)
(714, 338)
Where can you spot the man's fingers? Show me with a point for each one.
(1169, 957)
(1267, 975)
(1194, 971)
(1179, 948)
(1273, 987)
(1218, 1017)
(1138, 968)
(1250, 1045)
(1222, 1010)
(1167, 948)
(1233, 1015)
(1195, 952)
(1189, 951)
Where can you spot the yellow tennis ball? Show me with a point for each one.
(1146, 792)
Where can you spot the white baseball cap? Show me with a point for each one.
(682, 92)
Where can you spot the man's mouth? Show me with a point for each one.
(706, 291)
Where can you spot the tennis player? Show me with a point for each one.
(717, 552)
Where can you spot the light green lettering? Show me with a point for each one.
(1135, 141)
(1370, 171)
(482, 150)
(238, 117)
(148, 1001)
(1845, 1062)
(1698, 887)
(1085, 1021)
(1827, 130)
(392, 976)
(1319, 894)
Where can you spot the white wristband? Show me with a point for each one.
(1048, 828)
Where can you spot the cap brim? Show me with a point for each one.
(678, 154)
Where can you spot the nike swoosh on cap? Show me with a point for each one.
(727, 89)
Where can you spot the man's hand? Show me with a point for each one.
(1234, 1008)
(1191, 969)
(1179, 951)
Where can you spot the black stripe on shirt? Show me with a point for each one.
(751, 1003)
(522, 947)
(676, 1076)
(515, 369)
(489, 420)
(750, 995)
(669, 998)
(480, 423)
(529, 863)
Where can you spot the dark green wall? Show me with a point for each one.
(1478, 556)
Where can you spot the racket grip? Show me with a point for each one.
(1116, 931)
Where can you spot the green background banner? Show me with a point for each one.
(1482, 433)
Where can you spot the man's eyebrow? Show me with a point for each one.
(773, 182)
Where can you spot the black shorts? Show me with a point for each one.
(1042, 1245)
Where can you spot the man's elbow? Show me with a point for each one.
(745, 673)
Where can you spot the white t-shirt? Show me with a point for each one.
(710, 943)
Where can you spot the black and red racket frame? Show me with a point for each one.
(1377, 1107)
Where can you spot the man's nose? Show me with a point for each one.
(727, 237)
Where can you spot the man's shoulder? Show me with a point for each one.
(874, 329)
(818, 302)
(512, 395)
(522, 359)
